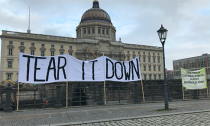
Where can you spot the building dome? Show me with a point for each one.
(96, 14)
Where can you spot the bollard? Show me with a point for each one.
(7, 107)
(136, 98)
(58, 96)
(100, 97)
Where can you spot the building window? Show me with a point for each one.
(148, 59)
(150, 77)
(107, 32)
(93, 31)
(154, 67)
(52, 46)
(84, 31)
(61, 53)
(22, 50)
(70, 53)
(148, 53)
(9, 64)
(42, 45)
(32, 44)
(144, 59)
(145, 77)
(139, 53)
(10, 51)
(42, 53)
(128, 57)
(9, 76)
(158, 60)
(143, 52)
(99, 31)
(158, 68)
(153, 59)
(133, 56)
(158, 54)
(61, 46)
(88, 31)
(10, 42)
(32, 52)
(103, 31)
(144, 68)
(154, 76)
(153, 54)
(127, 51)
(52, 53)
(70, 47)
(159, 76)
(134, 52)
(21, 43)
(149, 68)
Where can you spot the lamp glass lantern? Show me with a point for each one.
(162, 33)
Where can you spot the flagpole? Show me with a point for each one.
(142, 90)
(104, 90)
(18, 97)
(66, 93)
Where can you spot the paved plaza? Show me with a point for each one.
(192, 112)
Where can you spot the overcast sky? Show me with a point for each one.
(136, 21)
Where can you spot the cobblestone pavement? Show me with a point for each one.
(88, 114)
(190, 119)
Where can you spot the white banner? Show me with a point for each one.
(37, 69)
(194, 79)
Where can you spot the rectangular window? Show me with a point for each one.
(93, 31)
(103, 31)
(144, 68)
(158, 60)
(158, 54)
(127, 51)
(42, 45)
(88, 31)
(158, 68)
(52, 53)
(143, 52)
(107, 32)
(70, 47)
(159, 76)
(149, 68)
(84, 31)
(42, 53)
(32, 52)
(154, 76)
(150, 77)
(128, 57)
(138, 52)
(22, 50)
(61, 53)
(144, 60)
(61, 46)
(52, 46)
(154, 67)
(153, 54)
(148, 53)
(10, 42)
(134, 57)
(21, 43)
(145, 77)
(153, 59)
(148, 59)
(9, 76)
(99, 31)
(70, 53)
(9, 64)
(10, 51)
(32, 44)
(133, 51)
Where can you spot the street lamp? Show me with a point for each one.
(162, 33)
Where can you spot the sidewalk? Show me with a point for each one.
(107, 113)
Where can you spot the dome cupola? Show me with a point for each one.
(96, 14)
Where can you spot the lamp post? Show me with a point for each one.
(162, 33)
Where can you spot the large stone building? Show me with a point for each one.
(95, 31)
(192, 63)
